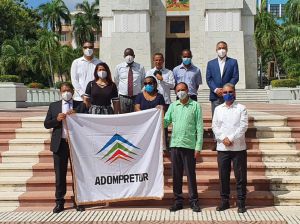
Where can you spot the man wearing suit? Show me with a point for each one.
(57, 113)
(220, 71)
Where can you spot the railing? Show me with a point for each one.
(41, 97)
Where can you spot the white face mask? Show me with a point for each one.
(129, 59)
(182, 95)
(66, 96)
(222, 53)
(88, 52)
(102, 74)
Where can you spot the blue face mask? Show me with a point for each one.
(229, 97)
(149, 88)
(186, 61)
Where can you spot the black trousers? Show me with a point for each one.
(183, 159)
(239, 161)
(60, 167)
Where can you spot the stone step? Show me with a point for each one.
(13, 184)
(281, 155)
(20, 157)
(293, 121)
(7, 133)
(33, 122)
(284, 183)
(258, 183)
(269, 121)
(274, 132)
(9, 200)
(211, 197)
(10, 122)
(16, 169)
(33, 133)
(27, 144)
(282, 168)
(286, 197)
(203, 168)
(4, 145)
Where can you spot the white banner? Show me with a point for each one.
(116, 157)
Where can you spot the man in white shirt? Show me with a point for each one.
(129, 77)
(82, 70)
(165, 82)
(230, 123)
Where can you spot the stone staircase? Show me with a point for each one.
(27, 175)
(243, 95)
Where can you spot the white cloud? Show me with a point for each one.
(72, 3)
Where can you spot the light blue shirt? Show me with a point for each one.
(191, 76)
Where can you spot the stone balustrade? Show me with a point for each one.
(41, 97)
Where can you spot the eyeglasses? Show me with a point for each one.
(148, 83)
(89, 47)
(226, 92)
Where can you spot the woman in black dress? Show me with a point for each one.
(101, 92)
(149, 97)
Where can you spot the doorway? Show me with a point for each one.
(177, 39)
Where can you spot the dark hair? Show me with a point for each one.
(183, 83)
(87, 41)
(153, 79)
(187, 50)
(108, 78)
(67, 84)
(158, 54)
(222, 42)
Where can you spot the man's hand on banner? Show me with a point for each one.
(61, 116)
(71, 112)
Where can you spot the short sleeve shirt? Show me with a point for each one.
(146, 104)
(101, 96)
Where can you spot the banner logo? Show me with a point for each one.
(118, 148)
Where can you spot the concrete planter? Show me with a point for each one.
(284, 95)
(12, 95)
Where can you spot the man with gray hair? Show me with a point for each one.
(230, 123)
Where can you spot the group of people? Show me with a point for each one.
(95, 92)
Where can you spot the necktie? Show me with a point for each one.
(130, 82)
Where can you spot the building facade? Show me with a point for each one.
(276, 8)
(169, 26)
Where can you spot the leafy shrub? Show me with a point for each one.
(284, 83)
(9, 78)
(36, 85)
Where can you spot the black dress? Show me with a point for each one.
(147, 104)
(101, 97)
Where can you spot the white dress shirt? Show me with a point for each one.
(230, 122)
(66, 106)
(82, 72)
(164, 86)
(121, 78)
(222, 65)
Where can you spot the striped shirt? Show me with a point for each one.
(187, 121)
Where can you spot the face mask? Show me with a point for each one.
(186, 61)
(149, 88)
(66, 96)
(88, 52)
(229, 97)
(222, 53)
(102, 74)
(182, 95)
(129, 59)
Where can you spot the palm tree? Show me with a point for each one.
(90, 13)
(266, 35)
(53, 13)
(292, 11)
(48, 44)
(65, 57)
(83, 30)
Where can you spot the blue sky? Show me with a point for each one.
(70, 3)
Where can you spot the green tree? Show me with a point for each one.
(83, 30)
(53, 13)
(65, 57)
(16, 19)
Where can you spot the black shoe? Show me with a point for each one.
(195, 207)
(224, 205)
(241, 207)
(58, 208)
(175, 207)
(80, 208)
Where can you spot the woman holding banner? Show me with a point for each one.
(149, 98)
(101, 92)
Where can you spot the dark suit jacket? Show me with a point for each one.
(215, 80)
(51, 122)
